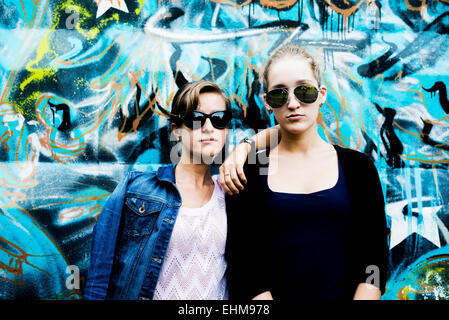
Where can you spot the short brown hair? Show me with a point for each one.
(291, 51)
(187, 98)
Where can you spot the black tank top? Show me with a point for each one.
(308, 241)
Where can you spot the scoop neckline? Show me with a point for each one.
(311, 193)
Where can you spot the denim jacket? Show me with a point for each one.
(131, 236)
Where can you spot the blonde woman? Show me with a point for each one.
(317, 227)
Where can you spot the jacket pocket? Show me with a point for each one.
(140, 215)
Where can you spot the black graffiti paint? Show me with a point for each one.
(217, 68)
(370, 146)
(253, 118)
(379, 65)
(65, 124)
(440, 88)
(392, 144)
(410, 11)
(173, 14)
(425, 136)
(420, 54)
(134, 110)
(178, 76)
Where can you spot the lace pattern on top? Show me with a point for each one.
(194, 266)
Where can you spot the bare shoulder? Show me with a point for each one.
(327, 152)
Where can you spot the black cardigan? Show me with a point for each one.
(366, 238)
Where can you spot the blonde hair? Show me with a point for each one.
(187, 98)
(291, 51)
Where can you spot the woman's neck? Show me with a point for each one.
(303, 143)
(195, 174)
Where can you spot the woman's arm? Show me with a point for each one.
(231, 171)
(248, 242)
(372, 255)
(264, 296)
(366, 291)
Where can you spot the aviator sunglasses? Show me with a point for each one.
(307, 94)
(219, 119)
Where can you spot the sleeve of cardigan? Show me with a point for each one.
(372, 228)
(247, 242)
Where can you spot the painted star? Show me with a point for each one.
(424, 223)
(105, 5)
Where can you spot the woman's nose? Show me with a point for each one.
(207, 126)
(292, 102)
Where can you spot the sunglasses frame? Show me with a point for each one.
(287, 93)
(206, 116)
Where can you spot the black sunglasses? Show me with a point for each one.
(219, 119)
(276, 98)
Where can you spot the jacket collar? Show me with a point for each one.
(167, 173)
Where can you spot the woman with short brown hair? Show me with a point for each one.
(162, 234)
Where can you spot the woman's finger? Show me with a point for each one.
(241, 173)
(221, 180)
(225, 187)
(235, 178)
(230, 183)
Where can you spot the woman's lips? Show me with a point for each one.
(208, 140)
(295, 116)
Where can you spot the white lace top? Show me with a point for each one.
(194, 266)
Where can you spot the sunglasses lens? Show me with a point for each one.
(195, 120)
(307, 94)
(277, 98)
(220, 119)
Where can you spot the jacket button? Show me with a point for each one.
(157, 260)
(166, 220)
(144, 298)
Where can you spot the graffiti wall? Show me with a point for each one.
(84, 85)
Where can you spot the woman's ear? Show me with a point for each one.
(265, 103)
(175, 131)
(323, 94)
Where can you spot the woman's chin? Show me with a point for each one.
(294, 128)
(204, 157)
(209, 153)
(212, 149)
